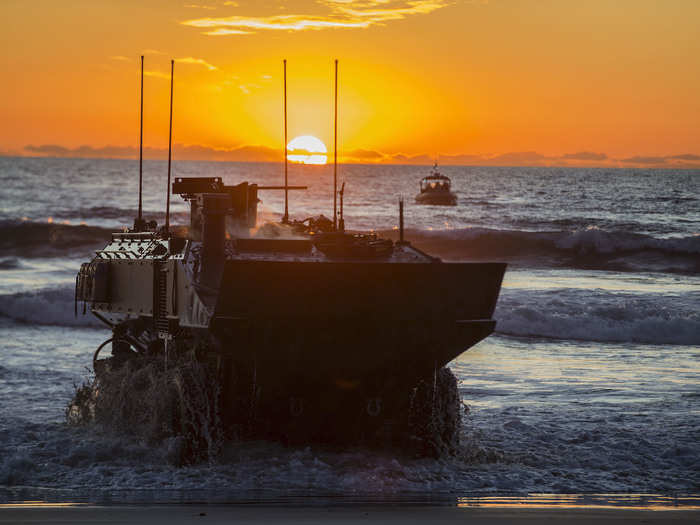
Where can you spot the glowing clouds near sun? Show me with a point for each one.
(307, 149)
(330, 14)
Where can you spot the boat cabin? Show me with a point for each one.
(435, 182)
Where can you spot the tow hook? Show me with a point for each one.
(374, 406)
(296, 406)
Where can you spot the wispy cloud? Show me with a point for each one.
(585, 155)
(156, 74)
(363, 155)
(685, 156)
(121, 58)
(223, 26)
(248, 153)
(518, 157)
(379, 11)
(224, 32)
(196, 61)
(184, 60)
(338, 14)
(248, 88)
(639, 159)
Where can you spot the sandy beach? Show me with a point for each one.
(241, 514)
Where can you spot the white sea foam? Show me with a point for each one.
(502, 453)
(595, 240)
(598, 315)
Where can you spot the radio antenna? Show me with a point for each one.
(335, 153)
(285, 219)
(341, 222)
(139, 223)
(401, 240)
(170, 151)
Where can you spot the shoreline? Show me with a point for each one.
(404, 514)
(532, 501)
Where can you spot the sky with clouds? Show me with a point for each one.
(474, 81)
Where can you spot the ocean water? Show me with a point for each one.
(591, 383)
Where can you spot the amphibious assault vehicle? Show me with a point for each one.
(297, 331)
(312, 335)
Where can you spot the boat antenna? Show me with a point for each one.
(285, 219)
(335, 152)
(139, 225)
(170, 151)
(341, 222)
(401, 240)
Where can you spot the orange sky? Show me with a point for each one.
(485, 78)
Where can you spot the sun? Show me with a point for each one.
(307, 149)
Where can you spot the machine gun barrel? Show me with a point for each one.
(283, 187)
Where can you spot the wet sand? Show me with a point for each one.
(405, 515)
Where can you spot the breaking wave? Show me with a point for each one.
(54, 306)
(586, 315)
(117, 215)
(10, 263)
(589, 247)
(596, 315)
(98, 212)
(35, 239)
(586, 241)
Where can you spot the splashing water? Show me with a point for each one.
(176, 404)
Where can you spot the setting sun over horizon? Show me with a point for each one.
(307, 149)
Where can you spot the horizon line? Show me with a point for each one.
(546, 162)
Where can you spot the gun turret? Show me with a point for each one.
(241, 206)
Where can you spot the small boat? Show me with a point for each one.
(436, 189)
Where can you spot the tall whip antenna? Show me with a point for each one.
(285, 219)
(139, 221)
(335, 153)
(170, 150)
